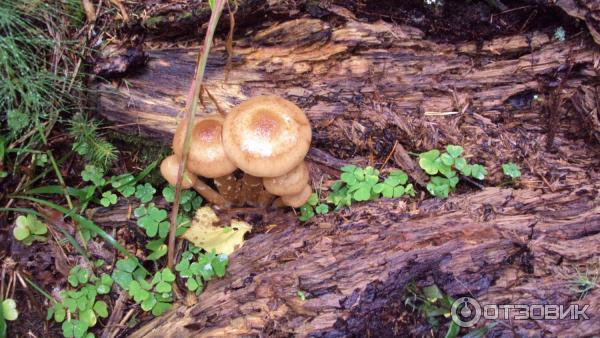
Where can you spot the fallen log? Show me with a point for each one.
(365, 86)
(499, 246)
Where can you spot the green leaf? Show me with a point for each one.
(454, 151)
(398, 191)
(102, 289)
(73, 280)
(306, 212)
(121, 180)
(108, 199)
(350, 168)
(106, 280)
(93, 174)
(428, 161)
(313, 199)
(60, 313)
(163, 287)
(74, 328)
(9, 309)
(101, 309)
(511, 170)
(85, 223)
(478, 171)
(127, 265)
(466, 170)
(388, 191)
(362, 194)
(219, 264)
(122, 278)
(349, 178)
(460, 163)
(88, 317)
(168, 193)
(447, 159)
(158, 253)
(211, 4)
(160, 308)
(453, 330)
(167, 275)
(191, 284)
(70, 304)
(379, 187)
(432, 293)
(145, 192)
(400, 175)
(21, 232)
(149, 303)
(137, 292)
(322, 209)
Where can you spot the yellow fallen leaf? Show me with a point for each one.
(204, 234)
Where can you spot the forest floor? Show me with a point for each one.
(74, 171)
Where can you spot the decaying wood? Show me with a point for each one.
(366, 86)
(499, 245)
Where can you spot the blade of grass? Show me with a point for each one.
(190, 115)
(87, 224)
(39, 289)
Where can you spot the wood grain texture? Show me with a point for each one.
(366, 86)
(499, 245)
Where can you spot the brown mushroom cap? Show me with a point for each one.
(169, 167)
(291, 183)
(206, 157)
(298, 200)
(266, 136)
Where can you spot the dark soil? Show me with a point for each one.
(459, 20)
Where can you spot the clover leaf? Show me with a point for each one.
(74, 328)
(138, 292)
(101, 309)
(108, 199)
(124, 184)
(306, 212)
(153, 220)
(322, 209)
(429, 161)
(160, 308)
(158, 248)
(511, 170)
(28, 229)
(145, 192)
(9, 309)
(93, 174)
(78, 275)
(478, 171)
(454, 151)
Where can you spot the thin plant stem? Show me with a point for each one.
(190, 115)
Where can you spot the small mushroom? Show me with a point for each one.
(266, 136)
(298, 200)
(169, 169)
(291, 183)
(206, 156)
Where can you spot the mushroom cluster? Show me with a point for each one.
(265, 136)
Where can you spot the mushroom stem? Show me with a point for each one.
(210, 195)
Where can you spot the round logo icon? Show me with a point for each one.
(466, 311)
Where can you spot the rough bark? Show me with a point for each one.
(366, 86)
(499, 245)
